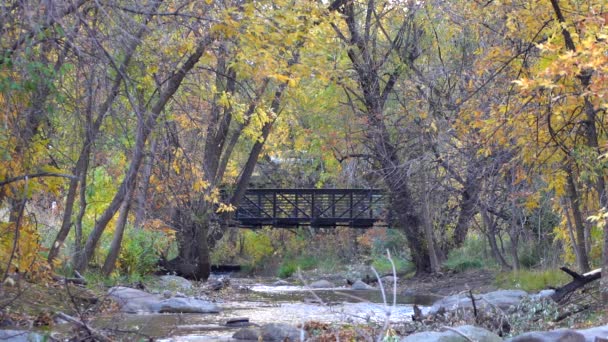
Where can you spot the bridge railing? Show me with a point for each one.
(313, 207)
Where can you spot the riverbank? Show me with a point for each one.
(264, 301)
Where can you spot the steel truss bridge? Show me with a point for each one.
(288, 208)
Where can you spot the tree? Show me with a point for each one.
(378, 46)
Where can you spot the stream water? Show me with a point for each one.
(270, 304)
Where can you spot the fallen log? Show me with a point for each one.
(78, 281)
(578, 281)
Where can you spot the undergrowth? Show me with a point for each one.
(471, 255)
(383, 265)
(290, 266)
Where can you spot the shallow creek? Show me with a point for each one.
(270, 304)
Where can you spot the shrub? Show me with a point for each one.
(378, 239)
(290, 266)
(140, 251)
(530, 255)
(287, 269)
(469, 256)
(258, 247)
(328, 263)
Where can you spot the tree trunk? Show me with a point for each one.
(514, 236)
(144, 184)
(78, 236)
(408, 221)
(193, 261)
(468, 201)
(428, 224)
(121, 223)
(579, 243)
(66, 224)
(491, 235)
(204, 261)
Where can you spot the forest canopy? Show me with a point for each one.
(477, 118)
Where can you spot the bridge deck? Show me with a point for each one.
(284, 208)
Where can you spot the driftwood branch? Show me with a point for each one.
(79, 281)
(578, 281)
(98, 336)
(474, 304)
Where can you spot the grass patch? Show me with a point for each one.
(531, 280)
(383, 265)
(462, 264)
(329, 264)
(290, 266)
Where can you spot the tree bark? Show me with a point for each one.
(407, 220)
(571, 232)
(514, 236)
(468, 202)
(428, 221)
(144, 184)
(491, 235)
(78, 236)
(204, 261)
(121, 223)
(579, 227)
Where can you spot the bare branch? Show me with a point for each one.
(36, 175)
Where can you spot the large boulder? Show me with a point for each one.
(281, 332)
(360, 285)
(560, 335)
(543, 294)
(247, 334)
(281, 282)
(270, 332)
(21, 336)
(173, 283)
(502, 299)
(133, 300)
(471, 332)
(137, 301)
(563, 335)
(322, 284)
(217, 284)
(591, 333)
(185, 305)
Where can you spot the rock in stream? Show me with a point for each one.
(138, 301)
(270, 332)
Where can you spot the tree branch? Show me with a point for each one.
(36, 175)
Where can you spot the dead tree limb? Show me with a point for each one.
(578, 281)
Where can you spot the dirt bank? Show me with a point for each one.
(480, 281)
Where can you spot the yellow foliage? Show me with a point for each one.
(22, 250)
